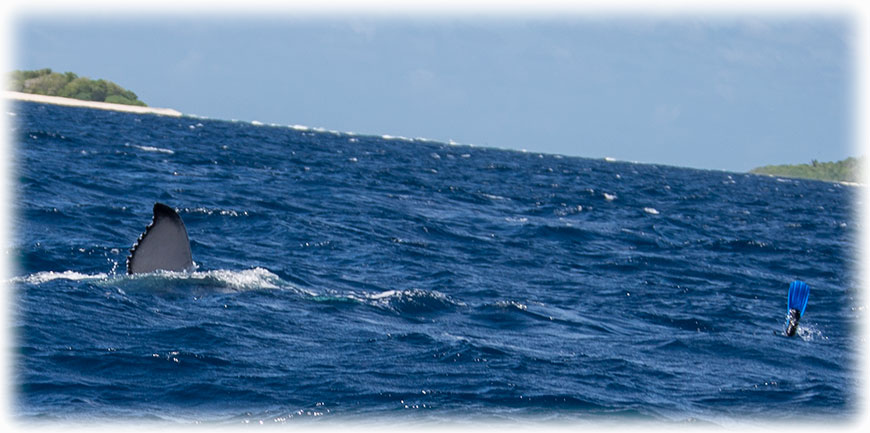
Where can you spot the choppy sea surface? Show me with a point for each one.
(351, 277)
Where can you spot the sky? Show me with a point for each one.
(703, 90)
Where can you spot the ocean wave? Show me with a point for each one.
(46, 276)
(207, 211)
(363, 285)
(411, 301)
(247, 279)
(220, 279)
(151, 149)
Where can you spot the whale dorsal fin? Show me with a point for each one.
(163, 246)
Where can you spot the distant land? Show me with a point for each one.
(69, 85)
(69, 102)
(847, 170)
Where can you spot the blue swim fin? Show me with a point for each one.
(798, 295)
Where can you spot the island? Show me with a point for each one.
(48, 87)
(847, 170)
(69, 85)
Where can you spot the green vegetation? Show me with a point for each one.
(846, 170)
(70, 85)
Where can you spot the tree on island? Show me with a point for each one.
(847, 170)
(70, 85)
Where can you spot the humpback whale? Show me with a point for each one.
(163, 246)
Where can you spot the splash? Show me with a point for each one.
(219, 280)
(46, 276)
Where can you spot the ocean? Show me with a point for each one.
(356, 278)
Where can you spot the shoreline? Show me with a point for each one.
(69, 102)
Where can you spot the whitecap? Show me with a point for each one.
(416, 300)
(151, 149)
(493, 196)
(395, 137)
(609, 159)
(512, 305)
(520, 220)
(651, 210)
(609, 197)
(222, 212)
(256, 123)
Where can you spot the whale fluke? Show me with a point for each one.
(163, 246)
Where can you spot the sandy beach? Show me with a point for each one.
(57, 100)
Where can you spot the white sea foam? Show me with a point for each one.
(395, 137)
(651, 210)
(299, 127)
(256, 123)
(609, 197)
(493, 196)
(151, 149)
(512, 305)
(609, 159)
(809, 333)
(206, 211)
(387, 297)
(219, 279)
(247, 279)
(239, 280)
(46, 276)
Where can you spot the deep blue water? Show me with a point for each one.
(344, 277)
